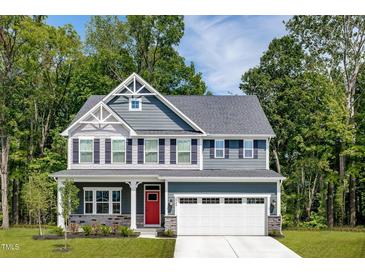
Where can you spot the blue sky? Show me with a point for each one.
(222, 47)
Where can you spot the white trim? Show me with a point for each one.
(278, 198)
(215, 148)
(133, 77)
(144, 150)
(177, 151)
(144, 204)
(201, 154)
(244, 148)
(111, 149)
(110, 202)
(252, 136)
(100, 104)
(83, 138)
(166, 197)
(268, 153)
(136, 99)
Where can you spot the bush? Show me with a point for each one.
(316, 221)
(106, 230)
(58, 231)
(169, 233)
(74, 228)
(125, 231)
(87, 229)
(96, 229)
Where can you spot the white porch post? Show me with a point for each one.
(166, 197)
(133, 185)
(60, 219)
(278, 198)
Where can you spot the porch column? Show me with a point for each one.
(166, 197)
(133, 185)
(278, 198)
(60, 219)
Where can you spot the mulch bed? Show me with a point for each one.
(82, 235)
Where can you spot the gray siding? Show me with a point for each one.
(155, 115)
(233, 162)
(224, 187)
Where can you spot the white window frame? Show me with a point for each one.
(135, 99)
(177, 151)
(110, 189)
(125, 149)
(92, 149)
(215, 148)
(244, 148)
(144, 150)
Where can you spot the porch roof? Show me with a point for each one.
(168, 174)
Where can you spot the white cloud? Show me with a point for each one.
(224, 47)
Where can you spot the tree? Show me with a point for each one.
(69, 203)
(38, 194)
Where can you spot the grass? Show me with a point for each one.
(325, 244)
(81, 248)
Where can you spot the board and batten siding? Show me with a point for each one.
(234, 161)
(154, 115)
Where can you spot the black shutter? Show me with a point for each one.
(173, 151)
(226, 149)
(140, 150)
(255, 149)
(211, 149)
(75, 151)
(96, 151)
(194, 151)
(129, 151)
(108, 149)
(240, 149)
(161, 151)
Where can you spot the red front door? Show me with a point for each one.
(152, 207)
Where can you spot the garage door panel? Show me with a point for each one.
(221, 219)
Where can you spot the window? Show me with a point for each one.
(118, 151)
(188, 200)
(219, 149)
(255, 200)
(151, 151)
(152, 197)
(210, 200)
(183, 151)
(88, 197)
(135, 104)
(102, 201)
(233, 200)
(248, 148)
(86, 150)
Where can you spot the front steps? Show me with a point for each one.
(149, 232)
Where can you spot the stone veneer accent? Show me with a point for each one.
(274, 224)
(171, 223)
(109, 220)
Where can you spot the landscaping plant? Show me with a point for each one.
(169, 233)
(126, 231)
(106, 230)
(87, 229)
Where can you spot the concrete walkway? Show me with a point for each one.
(231, 247)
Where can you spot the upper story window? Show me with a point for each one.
(248, 148)
(118, 151)
(135, 104)
(183, 151)
(86, 150)
(219, 149)
(151, 151)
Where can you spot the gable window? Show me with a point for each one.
(135, 104)
(102, 200)
(86, 150)
(219, 149)
(118, 150)
(248, 149)
(151, 151)
(183, 151)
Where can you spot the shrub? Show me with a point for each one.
(74, 228)
(96, 229)
(316, 221)
(58, 230)
(114, 228)
(87, 229)
(106, 230)
(169, 233)
(126, 231)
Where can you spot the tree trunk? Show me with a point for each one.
(15, 202)
(330, 205)
(5, 146)
(342, 163)
(352, 190)
(277, 162)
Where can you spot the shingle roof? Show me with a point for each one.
(207, 173)
(214, 114)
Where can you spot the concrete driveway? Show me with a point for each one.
(231, 247)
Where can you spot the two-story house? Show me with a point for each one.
(198, 165)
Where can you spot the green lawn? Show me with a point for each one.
(82, 248)
(325, 244)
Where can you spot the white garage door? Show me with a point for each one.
(221, 216)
